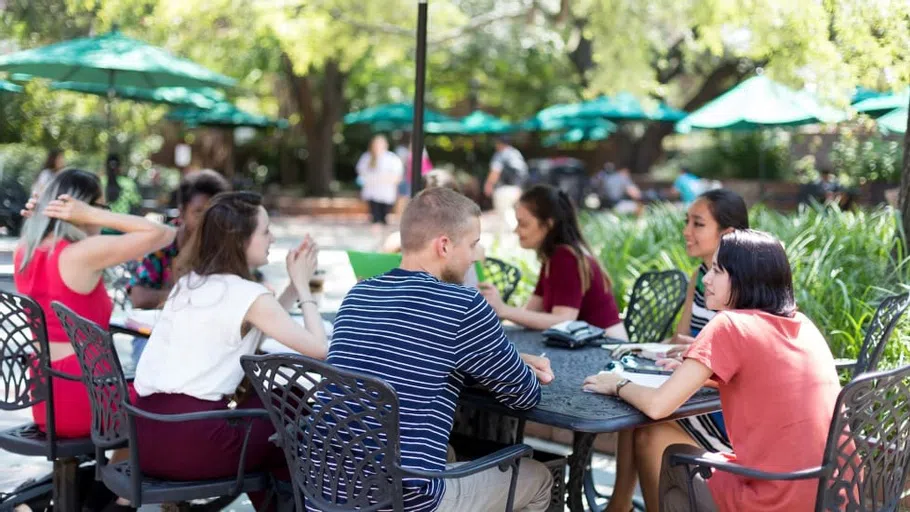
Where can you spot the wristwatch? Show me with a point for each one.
(620, 384)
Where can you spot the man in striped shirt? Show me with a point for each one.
(418, 329)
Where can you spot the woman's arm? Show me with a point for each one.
(95, 253)
(532, 315)
(270, 317)
(535, 303)
(655, 403)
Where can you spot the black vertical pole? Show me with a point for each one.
(419, 86)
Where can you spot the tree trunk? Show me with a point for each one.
(318, 97)
(648, 149)
(905, 185)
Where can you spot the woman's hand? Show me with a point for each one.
(490, 293)
(71, 210)
(29, 209)
(668, 364)
(603, 383)
(301, 263)
(541, 367)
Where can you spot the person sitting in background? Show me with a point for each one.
(418, 330)
(215, 315)
(53, 164)
(120, 190)
(777, 382)
(687, 186)
(154, 278)
(620, 193)
(61, 257)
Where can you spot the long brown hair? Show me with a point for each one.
(547, 204)
(218, 246)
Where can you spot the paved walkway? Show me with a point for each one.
(334, 236)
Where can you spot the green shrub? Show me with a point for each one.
(843, 263)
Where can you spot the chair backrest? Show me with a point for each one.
(25, 360)
(655, 300)
(503, 276)
(886, 317)
(338, 429)
(102, 375)
(868, 449)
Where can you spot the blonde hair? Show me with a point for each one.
(79, 185)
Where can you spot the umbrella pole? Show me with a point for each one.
(761, 166)
(419, 86)
(110, 112)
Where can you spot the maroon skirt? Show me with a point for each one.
(207, 449)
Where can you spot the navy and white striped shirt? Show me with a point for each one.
(424, 337)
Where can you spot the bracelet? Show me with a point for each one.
(311, 301)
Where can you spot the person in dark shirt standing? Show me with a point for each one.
(417, 328)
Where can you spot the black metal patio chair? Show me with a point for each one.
(114, 426)
(655, 300)
(867, 455)
(504, 276)
(340, 434)
(887, 315)
(25, 376)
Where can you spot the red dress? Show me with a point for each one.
(41, 281)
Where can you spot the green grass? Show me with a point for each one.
(844, 263)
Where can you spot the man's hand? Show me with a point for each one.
(541, 367)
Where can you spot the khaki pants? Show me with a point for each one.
(488, 491)
(674, 484)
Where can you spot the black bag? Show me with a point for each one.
(573, 334)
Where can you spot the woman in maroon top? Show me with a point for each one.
(571, 286)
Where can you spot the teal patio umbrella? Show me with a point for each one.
(576, 135)
(621, 107)
(392, 116)
(476, 123)
(113, 60)
(544, 123)
(223, 114)
(894, 122)
(202, 98)
(884, 103)
(9, 87)
(759, 103)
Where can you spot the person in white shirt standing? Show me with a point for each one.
(380, 171)
(215, 314)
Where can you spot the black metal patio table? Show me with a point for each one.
(563, 404)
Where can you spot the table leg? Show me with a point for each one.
(66, 485)
(582, 445)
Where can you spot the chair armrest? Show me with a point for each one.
(500, 459)
(844, 364)
(227, 414)
(736, 469)
(64, 376)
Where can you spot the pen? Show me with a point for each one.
(542, 354)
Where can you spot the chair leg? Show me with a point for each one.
(66, 485)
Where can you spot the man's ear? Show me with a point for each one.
(441, 245)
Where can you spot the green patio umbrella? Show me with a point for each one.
(9, 87)
(223, 114)
(203, 98)
(540, 123)
(576, 135)
(113, 60)
(759, 103)
(621, 107)
(476, 123)
(882, 104)
(392, 116)
(894, 122)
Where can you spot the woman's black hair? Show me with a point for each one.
(547, 203)
(727, 207)
(201, 183)
(759, 271)
(51, 159)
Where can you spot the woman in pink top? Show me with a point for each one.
(776, 377)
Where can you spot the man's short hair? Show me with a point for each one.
(201, 183)
(435, 212)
